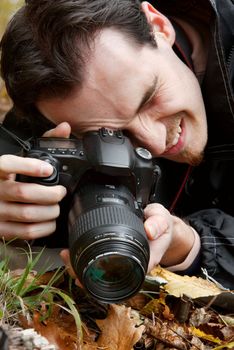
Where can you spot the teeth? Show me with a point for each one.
(176, 138)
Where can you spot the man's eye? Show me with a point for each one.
(148, 102)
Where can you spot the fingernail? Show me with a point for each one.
(46, 169)
(152, 233)
(64, 191)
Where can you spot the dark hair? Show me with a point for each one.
(47, 44)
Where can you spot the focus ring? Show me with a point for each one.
(104, 216)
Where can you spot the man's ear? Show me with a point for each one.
(160, 23)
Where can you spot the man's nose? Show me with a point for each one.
(150, 134)
(155, 143)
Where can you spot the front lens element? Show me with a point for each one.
(110, 269)
(112, 278)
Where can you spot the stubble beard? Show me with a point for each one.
(192, 158)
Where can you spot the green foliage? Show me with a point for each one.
(23, 293)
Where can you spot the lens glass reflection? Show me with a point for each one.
(110, 269)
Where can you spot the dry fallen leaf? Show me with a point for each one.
(145, 322)
(118, 330)
(158, 307)
(59, 329)
(193, 287)
(202, 335)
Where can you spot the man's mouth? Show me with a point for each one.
(173, 138)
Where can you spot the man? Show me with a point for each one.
(81, 65)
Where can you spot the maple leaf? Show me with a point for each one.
(118, 330)
(193, 287)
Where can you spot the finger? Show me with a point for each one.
(10, 164)
(28, 212)
(31, 193)
(65, 255)
(61, 130)
(155, 208)
(158, 248)
(155, 226)
(10, 230)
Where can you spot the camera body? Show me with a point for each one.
(110, 183)
(105, 152)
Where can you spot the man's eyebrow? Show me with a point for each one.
(148, 94)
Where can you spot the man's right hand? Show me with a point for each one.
(28, 210)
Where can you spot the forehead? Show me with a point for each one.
(118, 72)
(118, 69)
(114, 55)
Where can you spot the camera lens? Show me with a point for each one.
(108, 245)
(113, 277)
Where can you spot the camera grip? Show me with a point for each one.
(51, 180)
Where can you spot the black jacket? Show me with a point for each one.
(205, 194)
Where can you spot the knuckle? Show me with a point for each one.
(159, 206)
(34, 230)
(160, 209)
(20, 191)
(25, 213)
(30, 231)
(59, 193)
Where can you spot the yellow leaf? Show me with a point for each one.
(225, 346)
(193, 287)
(200, 334)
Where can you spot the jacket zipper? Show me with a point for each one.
(230, 62)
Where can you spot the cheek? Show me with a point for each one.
(147, 132)
(178, 91)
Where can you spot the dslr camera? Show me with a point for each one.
(110, 183)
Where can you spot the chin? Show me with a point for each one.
(195, 160)
(190, 157)
(194, 154)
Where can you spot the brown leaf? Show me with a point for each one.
(118, 331)
(167, 332)
(59, 329)
(137, 302)
(193, 287)
(199, 316)
(158, 307)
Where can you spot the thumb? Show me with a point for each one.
(155, 226)
(61, 130)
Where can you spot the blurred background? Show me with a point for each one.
(7, 9)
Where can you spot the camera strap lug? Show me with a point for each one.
(25, 144)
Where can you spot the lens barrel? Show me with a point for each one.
(108, 245)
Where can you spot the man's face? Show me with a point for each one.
(148, 92)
